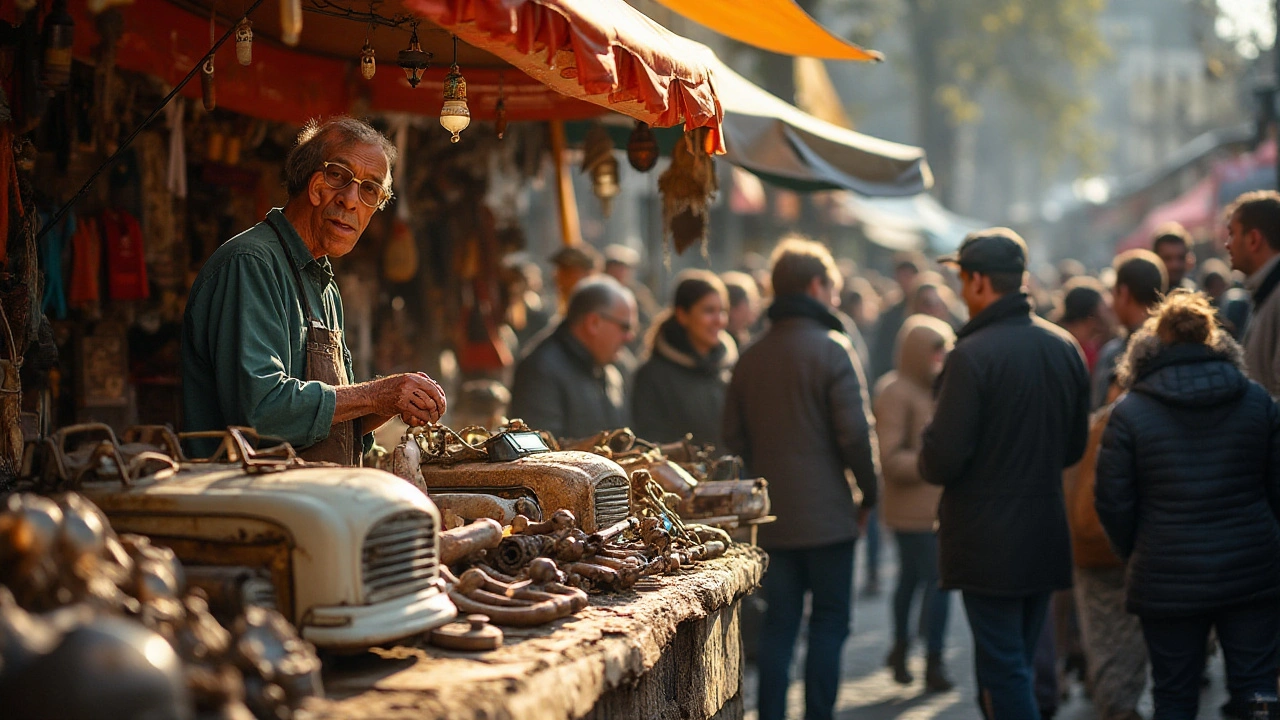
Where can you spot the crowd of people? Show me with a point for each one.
(1093, 464)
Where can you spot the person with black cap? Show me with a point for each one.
(1012, 412)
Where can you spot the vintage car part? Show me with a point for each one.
(473, 636)
(469, 541)
(349, 554)
(464, 479)
(113, 634)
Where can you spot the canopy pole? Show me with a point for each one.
(566, 203)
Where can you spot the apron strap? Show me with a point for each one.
(312, 318)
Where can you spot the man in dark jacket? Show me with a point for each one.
(567, 385)
(1012, 412)
(796, 411)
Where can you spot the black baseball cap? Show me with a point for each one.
(994, 250)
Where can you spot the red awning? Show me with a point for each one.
(1195, 210)
(603, 51)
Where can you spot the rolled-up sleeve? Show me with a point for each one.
(247, 331)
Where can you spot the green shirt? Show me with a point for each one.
(244, 338)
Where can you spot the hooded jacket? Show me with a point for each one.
(1012, 413)
(797, 413)
(678, 391)
(904, 407)
(1188, 485)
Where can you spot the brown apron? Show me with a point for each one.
(325, 363)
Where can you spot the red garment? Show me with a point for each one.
(10, 197)
(86, 264)
(126, 262)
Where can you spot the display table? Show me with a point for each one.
(668, 649)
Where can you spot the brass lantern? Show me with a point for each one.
(413, 60)
(244, 41)
(642, 148)
(455, 116)
(368, 65)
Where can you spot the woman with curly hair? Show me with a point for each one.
(1188, 491)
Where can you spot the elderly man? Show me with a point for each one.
(262, 340)
(567, 385)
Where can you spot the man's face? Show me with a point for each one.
(971, 291)
(906, 278)
(1175, 256)
(609, 330)
(1240, 247)
(339, 216)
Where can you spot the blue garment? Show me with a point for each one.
(52, 247)
(918, 570)
(1176, 645)
(1006, 631)
(827, 573)
(872, 535)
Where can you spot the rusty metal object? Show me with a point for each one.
(517, 551)
(476, 635)
(476, 592)
(473, 506)
(561, 520)
(745, 499)
(470, 540)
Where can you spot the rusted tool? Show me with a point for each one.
(468, 541)
(476, 635)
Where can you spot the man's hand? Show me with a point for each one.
(415, 397)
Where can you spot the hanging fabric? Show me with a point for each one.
(173, 118)
(52, 247)
(126, 261)
(86, 265)
(10, 200)
(10, 402)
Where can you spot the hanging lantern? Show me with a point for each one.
(290, 21)
(244, 41)
(59, 29)
(207, 93)
(598, 159)
(413, 60)
(642, 148)
(368, 65)
(500, 112)
(455, 116)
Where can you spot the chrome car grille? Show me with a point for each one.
(399, 556)
(612, 500)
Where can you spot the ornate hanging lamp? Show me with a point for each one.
(455, 116)
(413, 60)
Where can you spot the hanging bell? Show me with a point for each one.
(455, 116)
(244, 41)
(642, 148)
(290, 21)
(368, 65)
(207, 92)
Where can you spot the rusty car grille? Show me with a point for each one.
(613, 501)
(399, 556)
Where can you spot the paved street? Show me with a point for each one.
(869, 693)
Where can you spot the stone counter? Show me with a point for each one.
(670, 648)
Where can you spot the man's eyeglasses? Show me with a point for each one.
(338, 176)
(624, 325)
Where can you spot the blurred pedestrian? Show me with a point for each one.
(744, 306)
(1012, 412)
(1188, 490)
(567, 384)
(1085, 312)
(906, 271)
(680, 388)
(1172, 243)
(1140, 281)
(622, 263)
(903, 407)
(1253, 241)
(522, 281)
(572, 264)
(797, 413)
(1228, 298)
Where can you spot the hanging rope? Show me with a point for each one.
(231, 30)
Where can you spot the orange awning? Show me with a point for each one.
(779, 26)
(602, 51)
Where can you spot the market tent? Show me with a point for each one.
(791, 148)
(603, 51)
(918, 222)
(321, 76)
(780, 26)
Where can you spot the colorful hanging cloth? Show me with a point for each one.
(86, 264)
(52, 247)
(126, 261)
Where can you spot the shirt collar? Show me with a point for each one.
(1252, 282)
(298, 250)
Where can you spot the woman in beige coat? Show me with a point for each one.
(909, 505)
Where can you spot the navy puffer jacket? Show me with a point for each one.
(1188, 483)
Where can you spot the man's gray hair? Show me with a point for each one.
(595, 294)
(320, 141)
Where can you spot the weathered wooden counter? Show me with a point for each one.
(668, 649)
